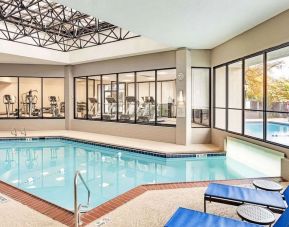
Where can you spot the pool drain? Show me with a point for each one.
(3, 199)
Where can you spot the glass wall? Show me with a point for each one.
(254, 96)
(220, 102)
(53, 98)
(9, 95)
(126, 97)
(166, 96)
(80, 95)
(201, 97)
(257, 100)
(30, 90)
(143, 97)
(94, 97)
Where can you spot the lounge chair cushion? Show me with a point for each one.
(260, 197)
(190, 218)
(283, 220)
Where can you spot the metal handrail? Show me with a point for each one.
(23, 132)
(14, 132)
(76, 206)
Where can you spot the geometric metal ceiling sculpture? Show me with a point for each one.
(51, 25)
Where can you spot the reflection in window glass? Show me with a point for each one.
(30, 97)
(8, 93)
(235, 85)
(220, 87)
(94, 97)
(254, 124)
(254, 83)
(166, 96)
(278, 80)
(53, 97)
(145, 96)
(235, 120)
(200, 97)
(109, 97)
(126, 97)
(278, 128)
(220, 118)
(80, 97)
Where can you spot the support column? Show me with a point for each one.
(183, 89)
(68, 96)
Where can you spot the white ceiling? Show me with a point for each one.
(197, 24)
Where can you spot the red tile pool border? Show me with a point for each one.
(66, 217)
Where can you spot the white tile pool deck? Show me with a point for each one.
(168, 148)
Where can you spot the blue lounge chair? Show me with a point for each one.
(191, 218)
(234, 195)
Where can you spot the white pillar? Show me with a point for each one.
(68, 96)
(183, 88)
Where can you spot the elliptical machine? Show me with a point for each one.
(29, 101)
(9, 101)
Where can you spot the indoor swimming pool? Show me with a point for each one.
(46, 168)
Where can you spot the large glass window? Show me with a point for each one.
(53, 98)
(94, 97)
(80, 97)
(126, 97)
(254, 86)
(166, 96)
(9, 95)
(30, 97)
(235, 95)
(110, 97)
(145, 95)
(220, 97)
(200, 97)
(257, 99)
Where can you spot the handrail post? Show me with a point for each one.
(76, 206)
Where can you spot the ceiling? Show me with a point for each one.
(197, 24)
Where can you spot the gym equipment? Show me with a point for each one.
(147, 111)
(130, 101)
(81, 108)
(29, 101)
(9, 101)
(93, 102)
(111, 106)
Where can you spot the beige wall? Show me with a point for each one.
(268, 34)
(32, 124)
(156, 133)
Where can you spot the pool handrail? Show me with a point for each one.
(76, 206)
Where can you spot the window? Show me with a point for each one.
(9, 95)
(53, 98)
(220, 97)
(110, 97)
(145, 95)
(235, 92)
(166, 96)
(94, 97)
(201, 97)
(126, 97)
(80, 97)
(254, 96)
(257, 101)
(30, 97)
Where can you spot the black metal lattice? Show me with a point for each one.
(51, 25)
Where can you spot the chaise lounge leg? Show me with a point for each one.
(205, 208)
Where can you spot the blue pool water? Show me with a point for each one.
(276, 132)
(46, 169)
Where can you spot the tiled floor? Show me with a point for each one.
(148, 145)
(66, 217)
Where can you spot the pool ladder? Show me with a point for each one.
(77, 207)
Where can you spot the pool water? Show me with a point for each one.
(46, 168)
(276, 132)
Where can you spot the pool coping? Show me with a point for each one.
(67, 217)
(126, 148)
